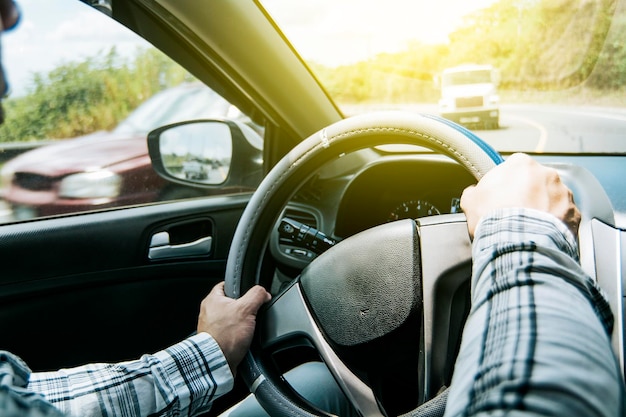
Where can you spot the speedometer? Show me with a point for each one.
(412, 210)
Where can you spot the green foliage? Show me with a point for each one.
(610, 70)
(488, 36)
(78, 98)
(538, 45)
(542, 45)
(399, 77)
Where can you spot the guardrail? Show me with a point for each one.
(10, 150)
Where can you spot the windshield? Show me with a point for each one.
(556, 70)
(466, 77)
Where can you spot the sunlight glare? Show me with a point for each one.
(337, 32)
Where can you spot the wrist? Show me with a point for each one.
(520, 224)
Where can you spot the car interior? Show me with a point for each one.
(353, 209)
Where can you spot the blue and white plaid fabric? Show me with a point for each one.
(179, 381)
(536, 342)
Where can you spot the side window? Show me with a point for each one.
(83, 99)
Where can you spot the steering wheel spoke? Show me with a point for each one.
(288, 317)
(446, 266)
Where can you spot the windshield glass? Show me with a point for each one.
(466, 77)
(548, 76)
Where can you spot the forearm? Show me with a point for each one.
(536, 341)
(181, 380)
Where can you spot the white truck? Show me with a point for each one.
(469, 95)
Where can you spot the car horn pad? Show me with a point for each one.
(365, 294)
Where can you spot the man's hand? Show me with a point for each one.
(231, 322)
(520, 182)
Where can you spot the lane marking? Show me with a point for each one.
(543, 132)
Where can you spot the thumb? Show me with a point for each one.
(254, 299)
(468, 206)
(218, 289)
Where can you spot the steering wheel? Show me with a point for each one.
(378, 293)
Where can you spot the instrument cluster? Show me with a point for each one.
(400, 188)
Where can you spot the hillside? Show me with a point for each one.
(535, 44)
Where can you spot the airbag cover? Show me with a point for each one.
(367, 285)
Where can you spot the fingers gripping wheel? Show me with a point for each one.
(242, 270)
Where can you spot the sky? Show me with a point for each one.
(52, 32)
(330, 32)
(335, 32)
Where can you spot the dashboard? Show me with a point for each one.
(397, 186)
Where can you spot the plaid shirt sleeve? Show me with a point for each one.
(536, 342)
(179, 381)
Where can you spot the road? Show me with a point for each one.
(559, 129)
(548, 128)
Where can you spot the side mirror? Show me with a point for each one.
(207, 154)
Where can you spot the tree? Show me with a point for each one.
(79, 98)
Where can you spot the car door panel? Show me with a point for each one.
(82, 288)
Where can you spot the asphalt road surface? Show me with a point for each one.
(556, 129)
(545, 128)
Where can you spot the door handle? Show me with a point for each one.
(160, 247)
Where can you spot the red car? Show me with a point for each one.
(107, 169)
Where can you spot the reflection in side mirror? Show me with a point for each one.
(199, 152)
